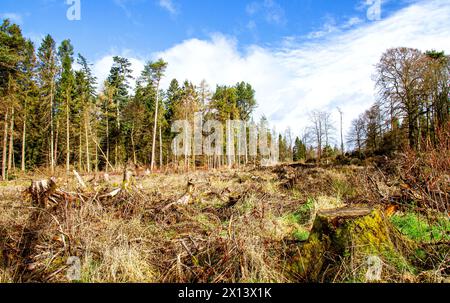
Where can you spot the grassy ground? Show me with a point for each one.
(239, 226)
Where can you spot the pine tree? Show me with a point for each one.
(47, 73)
(65, 92)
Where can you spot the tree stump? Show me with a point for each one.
(343, 242)
(40, 191)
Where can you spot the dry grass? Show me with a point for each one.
(241, 226)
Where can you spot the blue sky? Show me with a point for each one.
(300, 55)
(147, 26)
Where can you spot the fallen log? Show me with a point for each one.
(351, 238)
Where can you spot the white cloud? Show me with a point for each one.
(103, 66)
(272, 12)
(13, 17)
(169, 6)
(317, 74)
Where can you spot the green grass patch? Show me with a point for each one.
(301, 235)
(343, 188)
(417, 228)
(304, 212)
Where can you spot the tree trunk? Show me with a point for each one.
(5, 145)
(133, 145)
(86, 126)
(96, 159)
(80, 152)
(107, 141)
(55, 155)
(160, 148)
(152, 164)
(11, 141)
(67, 137)
(52, 157)
(24, 135)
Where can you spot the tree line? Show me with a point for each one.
(413, 104)
(55, 115)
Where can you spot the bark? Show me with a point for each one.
(152, 164)
(86, 126)
(56, 143)
(52, 157)
(67, 136)
(5, 143)
(160, 148)
(107, 140)
(133, 145)
(80, 151)
(11, 141)
(24, 135)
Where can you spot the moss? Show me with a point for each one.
(304, 212)
(301, 234)
(338, 237)
(416, 227)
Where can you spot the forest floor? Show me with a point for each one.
(228, 226)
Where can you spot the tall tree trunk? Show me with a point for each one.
(116, 151)
(133, 146)
(56, 143)
(80, 151)
(67, 136)
(160, 148)
(11, 141)
(107, 141)
(96, 155)
(5, 145)
(24, 135)
(86, 126)
(152, 164)
(52, 156)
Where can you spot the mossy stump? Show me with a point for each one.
(341, 244)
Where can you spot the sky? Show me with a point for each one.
(299, 55)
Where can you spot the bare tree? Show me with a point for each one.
(400, 83)
(341, 128)
(357, 135)
(321, 130)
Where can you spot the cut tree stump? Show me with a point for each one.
(343, 242)
(40, 191)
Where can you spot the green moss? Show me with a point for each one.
(304, 212)
(334, 240)
(301, 234)
(416, 227)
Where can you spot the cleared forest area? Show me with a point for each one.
(248, 225)
(105, 181)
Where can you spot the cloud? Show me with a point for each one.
(13, 17)
(103, 66)
(331, 26)
(169, 6)
(304, 75)
(272, 12)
